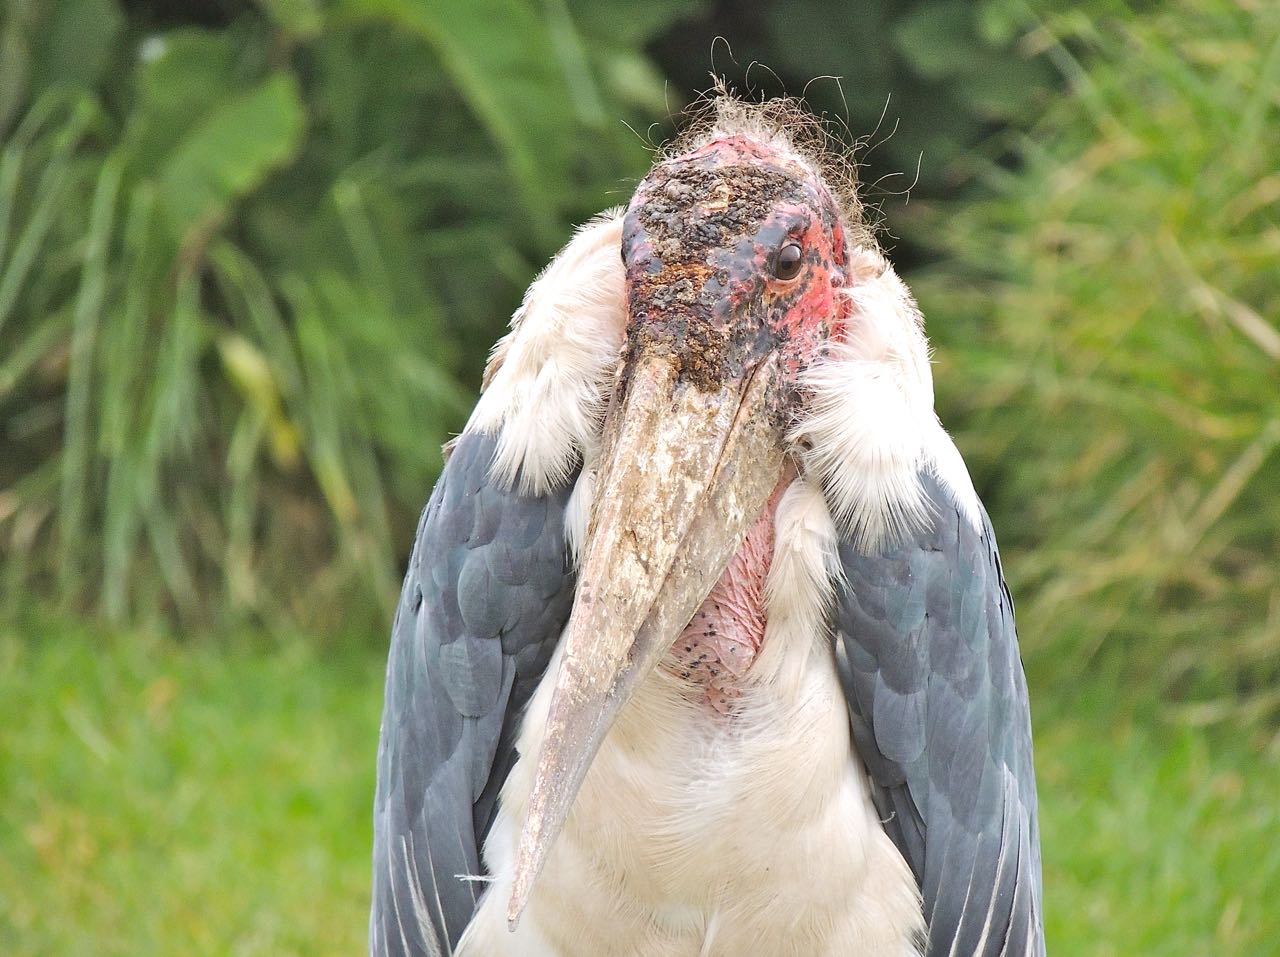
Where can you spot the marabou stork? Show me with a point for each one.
(704, 646)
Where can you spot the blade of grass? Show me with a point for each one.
(125, 360)
(241, 504)
(77, 443)
(30, 350)
(11, 160)
(172, 429)
(49, 192)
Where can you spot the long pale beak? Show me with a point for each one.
(686, 472)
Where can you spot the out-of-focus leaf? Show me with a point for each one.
(827, 39)
(182, 75)
(635, 81)
(570, 50)
(121, 436)
(15, 58)
(500, 55)
(49, 194)
(78, 434)
(1005, 92)
(72, 43)
(230, 153)
(250, 372)
(627, 24)
(11, 162)
(940, 40)
(301, 18)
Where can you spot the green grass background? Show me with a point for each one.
(160, 798)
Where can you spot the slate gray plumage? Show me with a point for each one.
(486, 595)
(927, 652)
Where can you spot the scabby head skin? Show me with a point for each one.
(708, 282)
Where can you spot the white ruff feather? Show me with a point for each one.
(868, 428)
(549, 377)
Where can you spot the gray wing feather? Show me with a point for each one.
(487, 593)
(928, 655)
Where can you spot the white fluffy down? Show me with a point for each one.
(868, 427)
(549, 376)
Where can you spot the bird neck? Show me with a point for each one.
(715, 652)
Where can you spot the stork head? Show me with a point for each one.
(736, 260)
(734, 255)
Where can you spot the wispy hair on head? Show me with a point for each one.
(783, 123)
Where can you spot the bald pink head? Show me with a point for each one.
(733, 251)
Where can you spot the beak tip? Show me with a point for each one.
(519, 898)
(529, 859)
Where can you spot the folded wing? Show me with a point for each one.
(486, 595)
(928, 656)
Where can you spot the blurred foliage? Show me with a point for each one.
(251, 259)
(252, 256)
(1108, 342)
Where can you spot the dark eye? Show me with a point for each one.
(787, 265)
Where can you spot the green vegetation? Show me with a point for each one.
(247, 284)
(168, 798)
(1156, 840)
(1108, 346)
(158, 798)
(248, 275)
(252, 255)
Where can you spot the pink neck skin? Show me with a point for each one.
(717, 648)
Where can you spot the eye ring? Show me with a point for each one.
(787, 263)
